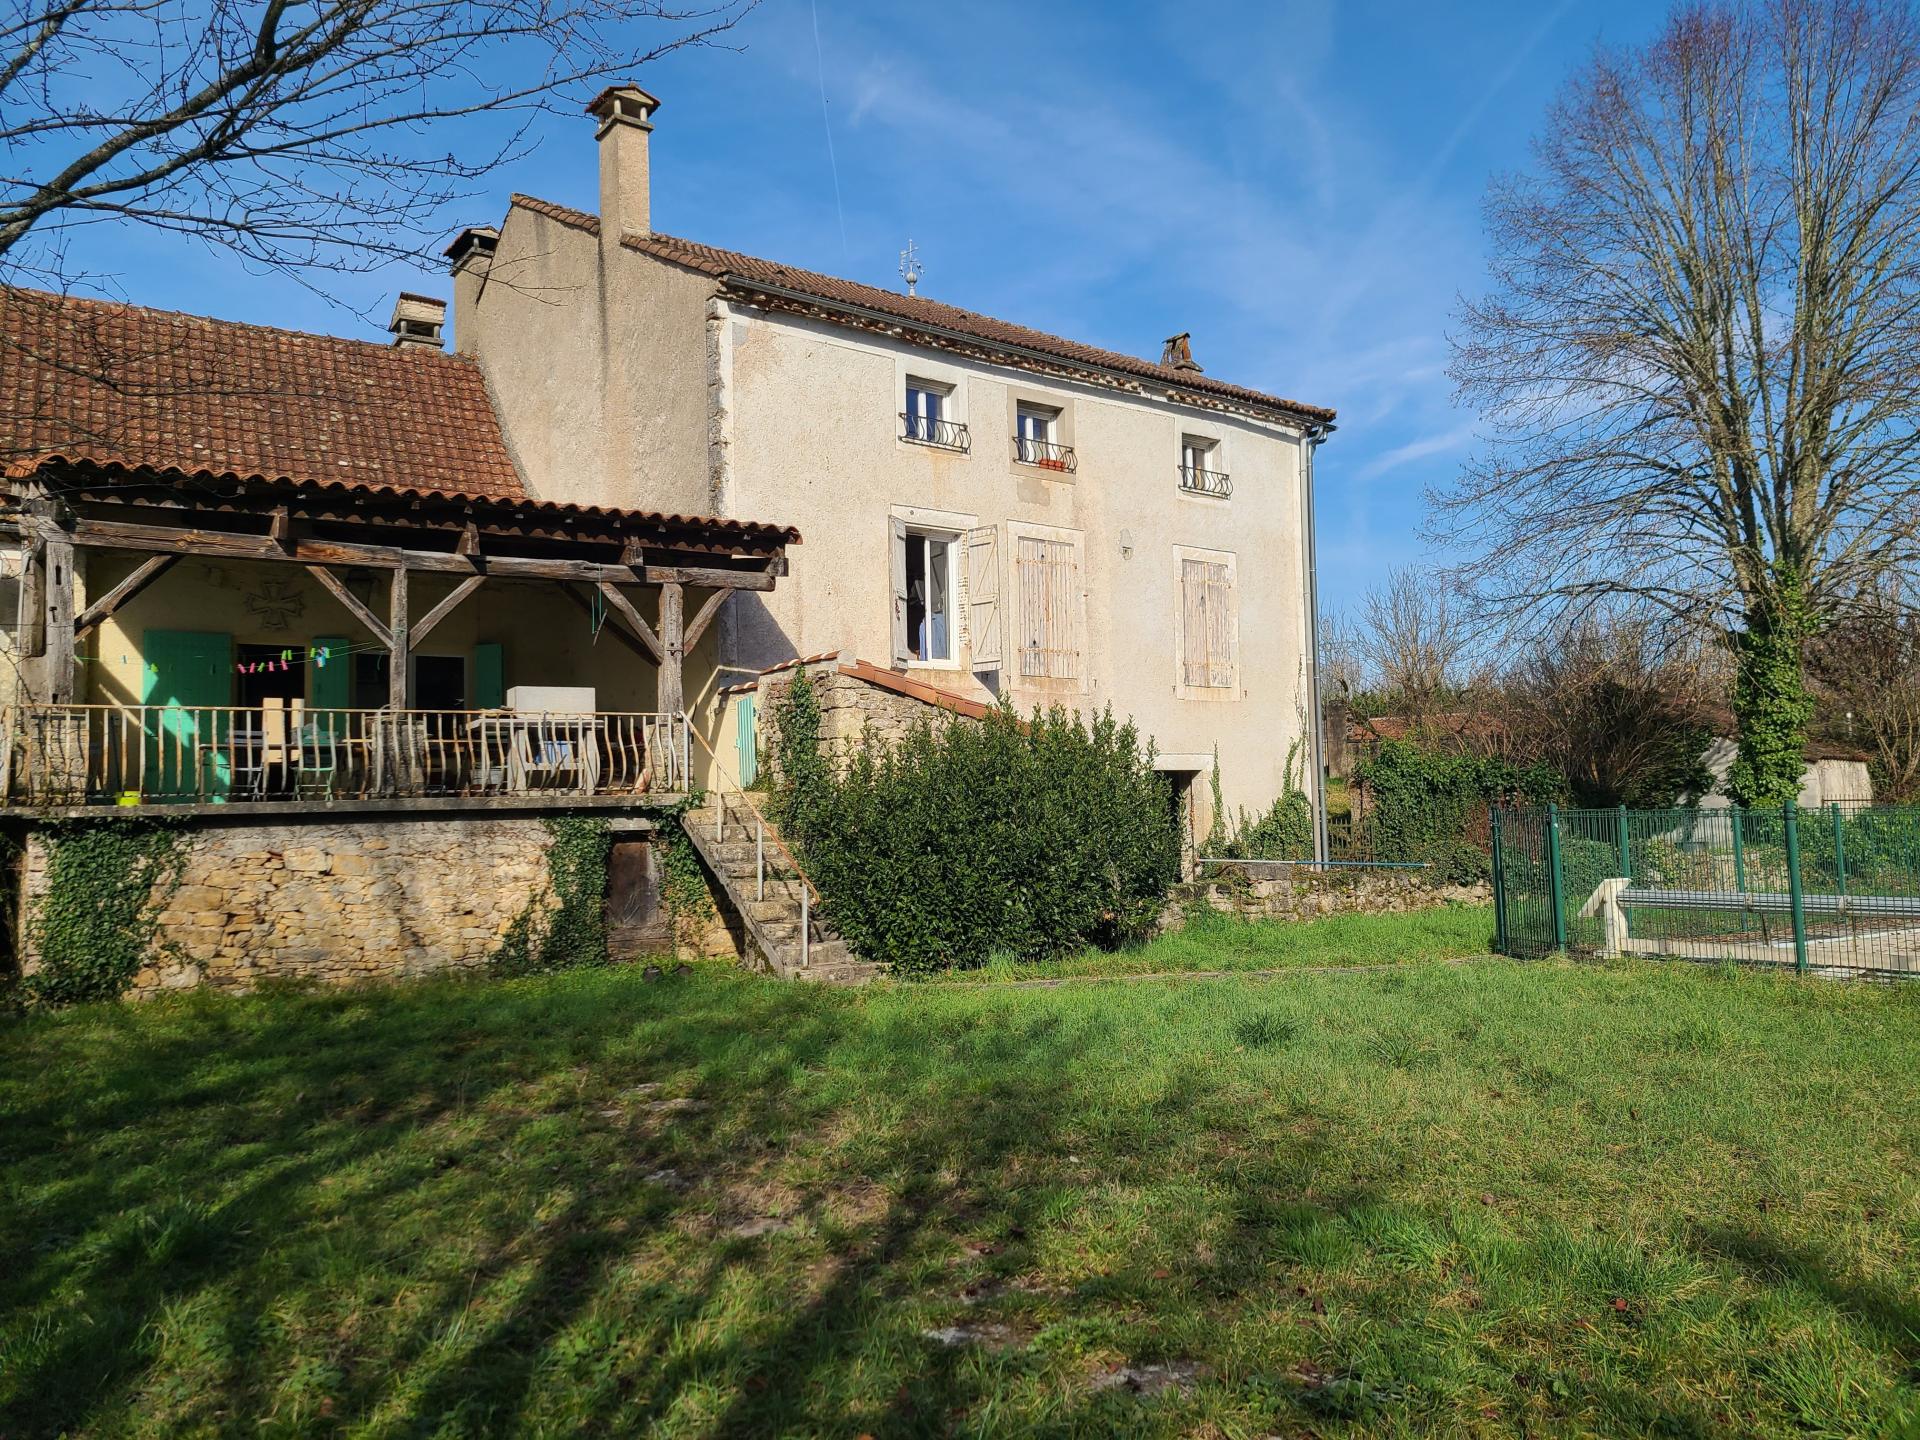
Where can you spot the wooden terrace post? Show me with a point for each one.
(672, 646)
(399, 645)
(53, 544)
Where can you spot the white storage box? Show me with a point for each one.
(551, 699)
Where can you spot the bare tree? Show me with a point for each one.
(1617, 707)
(322, 134)
(1700, 356)
(1869, 663)
(1411, 643)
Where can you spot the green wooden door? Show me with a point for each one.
(189, 673)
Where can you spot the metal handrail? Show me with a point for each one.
(1196, 481)
(765, 825)
(1047, 454)
(927, 430)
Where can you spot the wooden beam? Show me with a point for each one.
(703, 617)
(144, 574)
(633, 617)
(709, 577)
(33, 600)
(337, 588)
(399, 642)
(57, 664)
(308, 550)
(440, 612)
(469, 540)
(618, 630)
(673, 648)
(280, 527)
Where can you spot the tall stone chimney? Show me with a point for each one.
(417, 322)
(625, 113)
(469, 258)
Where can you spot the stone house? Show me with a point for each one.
(990, 510)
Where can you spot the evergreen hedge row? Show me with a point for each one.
(1024, 836)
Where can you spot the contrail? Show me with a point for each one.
(832, 160)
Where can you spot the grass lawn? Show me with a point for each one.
(1485, 1199)
(1212, 941)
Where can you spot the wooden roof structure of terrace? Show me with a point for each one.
(62, 505)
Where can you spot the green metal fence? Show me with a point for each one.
(1834, 890)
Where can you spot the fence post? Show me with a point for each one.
(1499, 889)
(1793, 886)
(1839, 851)
(1626, 859)
(1556, 881)
(1739, 859)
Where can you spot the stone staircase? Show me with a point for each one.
(745, 854)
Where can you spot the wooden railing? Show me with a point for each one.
(61, 755)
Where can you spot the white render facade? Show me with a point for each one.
(991, 516)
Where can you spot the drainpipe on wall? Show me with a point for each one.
(1315, 437)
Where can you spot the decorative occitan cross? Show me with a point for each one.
(274, 604)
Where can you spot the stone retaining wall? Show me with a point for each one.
(335, 900)
(1302, 894)
(852, 712)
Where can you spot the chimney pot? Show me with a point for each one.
(1177, 353)
(417, 322)
(625, 113)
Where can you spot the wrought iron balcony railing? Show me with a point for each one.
(1196, 481)
(926, 430)
(1044, 453)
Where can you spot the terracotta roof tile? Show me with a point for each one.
(578, 219)
(122, 385)
(732, 266)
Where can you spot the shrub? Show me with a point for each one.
(1284, 832)
(1432, 806)
(1029, 836)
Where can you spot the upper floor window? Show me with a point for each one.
(1036, 438)
(1200, 471)
(928, 418)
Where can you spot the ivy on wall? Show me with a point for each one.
(94, 926)
(571, 931)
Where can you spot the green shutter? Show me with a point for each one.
(332, 682)
(191, 673)
(489, 676)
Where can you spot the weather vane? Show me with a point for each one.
(910, 268)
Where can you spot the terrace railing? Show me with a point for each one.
(1196, 481)
(1046, 454)
(929, 430)
(70, 755)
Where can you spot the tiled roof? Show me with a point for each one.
(747, 270)
(124, 386)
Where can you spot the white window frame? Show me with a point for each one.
(1181, 689)
(941, 382)
(1200, 451)
(950, 527)
(1035, 423)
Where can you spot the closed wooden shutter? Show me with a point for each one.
(1207, 624)
(1049, 609)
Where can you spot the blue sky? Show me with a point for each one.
(1297, 184)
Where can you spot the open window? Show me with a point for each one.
(925, 603)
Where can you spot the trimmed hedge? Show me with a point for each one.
(1028, 837)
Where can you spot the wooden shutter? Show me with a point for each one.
(984, 620)
(897, 564)
(1207, 625)
(1048, 574)
(489, 675)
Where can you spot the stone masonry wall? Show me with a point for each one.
(334, 901)
(1302, 894)
(850, 710)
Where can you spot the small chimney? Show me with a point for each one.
(470, 257)
(417, 321)
(1177, 353)
(625, 113)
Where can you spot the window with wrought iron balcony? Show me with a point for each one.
(1036, 440)
(926, 420)
(1199, 475)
